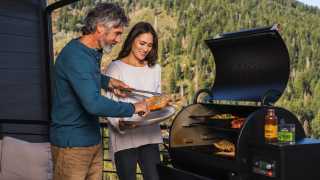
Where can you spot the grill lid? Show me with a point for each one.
(251, 65)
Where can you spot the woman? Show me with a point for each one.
(136, 66)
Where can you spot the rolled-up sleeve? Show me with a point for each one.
(86, 86)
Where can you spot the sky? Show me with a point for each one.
(311, 2)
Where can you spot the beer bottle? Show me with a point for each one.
(271, 126)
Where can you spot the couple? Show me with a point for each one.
(77, 102)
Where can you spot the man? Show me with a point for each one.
(77, 102)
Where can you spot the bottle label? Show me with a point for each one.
(270, 131)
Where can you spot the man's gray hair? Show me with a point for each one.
(108, 14)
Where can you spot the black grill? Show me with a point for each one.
(251, 66)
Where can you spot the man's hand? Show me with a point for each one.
(116, 86)
(123, 125)
(141, 108)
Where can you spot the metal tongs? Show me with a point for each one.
(136, 91)
(131, 90)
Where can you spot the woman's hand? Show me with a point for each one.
(123, 125)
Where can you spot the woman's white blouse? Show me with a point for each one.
(144, 78)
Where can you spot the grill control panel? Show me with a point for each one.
(264, 167)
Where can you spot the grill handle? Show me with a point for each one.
(201, 91)
(270, 97)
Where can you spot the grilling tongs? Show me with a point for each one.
(141, 91)
(131, 90)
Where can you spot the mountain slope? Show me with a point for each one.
(187, 63)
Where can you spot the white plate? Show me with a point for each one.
(153, 117)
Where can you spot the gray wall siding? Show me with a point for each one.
(23, 82)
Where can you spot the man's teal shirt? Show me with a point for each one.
(77, 100)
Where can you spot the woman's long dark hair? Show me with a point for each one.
(141, 28)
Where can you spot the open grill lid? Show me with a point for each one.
(251, 65)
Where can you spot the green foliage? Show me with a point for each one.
(315, 125)
(187, 63)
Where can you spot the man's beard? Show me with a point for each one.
(107, 48)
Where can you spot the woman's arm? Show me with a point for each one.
(158, 79)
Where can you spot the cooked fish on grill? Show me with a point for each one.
(237, 123)
(223, 116)
(231, 154)
(225, 146)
